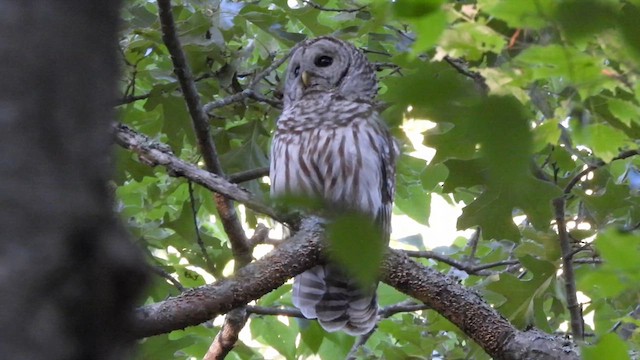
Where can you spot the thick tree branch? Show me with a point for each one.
(201, 304)
(470, 313)
(462, 307)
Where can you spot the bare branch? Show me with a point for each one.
(470, 269)
(158, 271)
(574, 181)
(288, 311)
(248, 175)
(198, 305)
(154, 153)
(185, 78)
(132, 98)
(226, 339)
(462, 68)
(210, 266)
(577, 322)
(249, 92)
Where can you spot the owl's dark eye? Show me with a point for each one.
(296, 71)
(323, 61)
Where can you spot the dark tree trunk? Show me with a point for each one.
(68, 275)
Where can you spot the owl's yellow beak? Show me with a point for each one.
(306, 78)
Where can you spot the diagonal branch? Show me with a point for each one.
(198, 305)
(154, 153)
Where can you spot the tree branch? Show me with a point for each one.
(470, 269)
(249, 92)
(461, 306)
(575, 312)
(248, 175)
(574, 181)
(462, 68)
(154, 153)
(198, 305)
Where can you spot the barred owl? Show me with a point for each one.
(331, 144)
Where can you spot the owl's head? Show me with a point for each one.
(329, 64)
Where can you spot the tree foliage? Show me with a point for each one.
(536, 113)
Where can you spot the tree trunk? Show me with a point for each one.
(68, 274)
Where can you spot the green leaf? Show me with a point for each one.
(415, 202)
(505, 143)
(620, 249)
(605, 141)
(546, 133)
(572, 14)
(352, 234)
(274, 333)
(428, 29)
(625, 111)
(609, 346)
(415, 8)
(567, 65)
(433, 175)
(520, 294)
(471, 41)
(629, 20)
(520, 13)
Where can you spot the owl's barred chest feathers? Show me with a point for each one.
(320, 142)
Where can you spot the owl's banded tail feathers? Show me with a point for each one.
(336, 300)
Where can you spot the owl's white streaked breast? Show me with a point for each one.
(329, 149)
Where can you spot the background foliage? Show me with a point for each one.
(531, 103)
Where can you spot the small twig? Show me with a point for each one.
(318, 7)
(574, 181)
(403, 306)
(248, 175)
(514, 38)
(260, 235)
(359, 343)
(473, 244)
(203, 249)
(160, 272)
(285, 311)
(577, 322)
(479, 270)
(185, 78)
(249, 92)
(385, 312)
(132, 98)
(463, 69)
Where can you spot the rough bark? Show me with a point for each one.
(68, 274)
